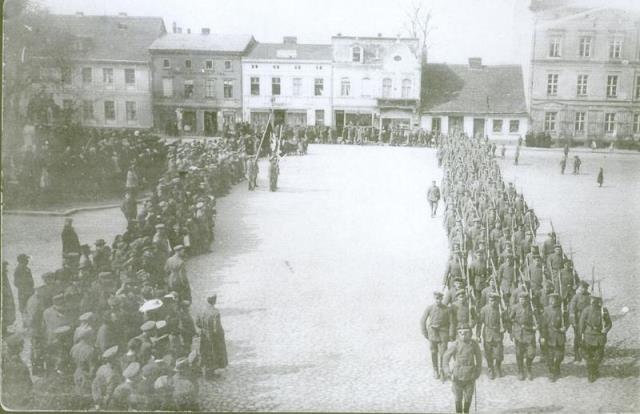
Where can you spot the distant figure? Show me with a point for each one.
(566, 150)
(600, 177)
(503, 151)
(563, 164)
(70, 241)
(593, 145)
(517, 157)
(274, 171)
(213, 349)
(433, 196)
(576, 165)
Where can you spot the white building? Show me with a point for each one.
(376, 81)
(293, 80)
(475, 99)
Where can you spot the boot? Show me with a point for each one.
(467, 405)
(434, 364)
(458, 406)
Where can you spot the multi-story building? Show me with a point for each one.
(197, 81)
(585, 73)
(105, 81)
(376, 81)
(290, 80)
(475, 99)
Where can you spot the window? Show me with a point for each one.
(345, 87)
(612, 86)
(579, 124)
(109, 110)
(187, 64)
(637, 94)
(550, 121)
(386, 87)
(228, 88)
(227, 66)
(132, 114)
(636, 123)
(497, 125)
(297, 67)
(582, 85)
(435, 124)
(514, 125)
(609, 123)
(585, 46)
(319, 117)
(615, 49)
(208, 64)
(356, 54)
(66, 75)
(107, 76)
(552, 84)
(275, 86)
(167, 87)
(130, 77)
(86, 75)
(406, 88)
(554, 47)
(255, 86)
(166, 63)
(297, 85)
(87, 110)
(318, 86)
(366, 87)
(209, 88)
(188, 88)
(318, 67)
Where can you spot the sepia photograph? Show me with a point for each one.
(392, 206)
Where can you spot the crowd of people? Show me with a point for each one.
(499, 280)
(112, 328)
(75, 163)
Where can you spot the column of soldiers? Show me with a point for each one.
(112, 328)
(499, 281)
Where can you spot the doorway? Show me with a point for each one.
(278, 117)
(478, 127)
(210, 123)
(189, 121)
(456, 125)
(339, 122)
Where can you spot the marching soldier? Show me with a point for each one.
(274, 171)
(554, 326)
(462, 312)
(433, 196)
(595, 324)
(523, 333)
(579, 302)
(437, 327)
(467, 368)
(492, 333)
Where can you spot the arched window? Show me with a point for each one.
(356, 54)
(386, 87)
(345, 87)
(406, 88)
(366, 87)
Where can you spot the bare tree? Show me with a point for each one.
(420, 26)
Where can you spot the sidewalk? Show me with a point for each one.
(63, 211)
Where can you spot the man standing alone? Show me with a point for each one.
(433, 196)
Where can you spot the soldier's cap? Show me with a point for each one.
(171, 296)
(62, 330)
(584, 283)
(23, 257)
(100, 242)
(178, 248)
(438, 294)
(535, 248)
(181, 364)
(160, 324)
(14, 341)
(161, 382)
(523, 295)
(150, 305)
(72, 255)
(212, 299)
(147, 326)
(85, 316)
(186, 303)
(132, 370)
(160, 226)
(59, 298)
(596, 298)
(105, 275)
(553, 295)
(463, 328)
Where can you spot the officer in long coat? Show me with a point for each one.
(437, 327)
(553, 330)
(70, 241)
(466, 370)
(213, 350)
(595, 324)
(23, 280)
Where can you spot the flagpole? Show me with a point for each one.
(264, 134)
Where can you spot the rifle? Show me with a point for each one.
(561, 299)
(602, 305)
(593, 277)
(495, 280)
(533, 311)
(576, 279)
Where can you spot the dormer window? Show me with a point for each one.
(356, 54)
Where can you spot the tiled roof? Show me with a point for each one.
(203, 42)
(303, 51)
(111, 37)
(461, 89)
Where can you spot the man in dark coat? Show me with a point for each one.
(70, 241)
(16, 381)
(23, 280)
(8, 304)
(213, 349)
(467, 368)
(437, 327)
(595, 324)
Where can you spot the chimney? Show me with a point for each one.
(188, 30)
(79, 14)
(206, 31)
(122, 14)
(475, 63)
(379, 34)
(174, 27)
(291, 40)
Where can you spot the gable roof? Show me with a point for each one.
(461, 89)
(121, 38)
(303, 51)
(212, 42)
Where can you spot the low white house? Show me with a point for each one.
(476, 99)
(290, 80)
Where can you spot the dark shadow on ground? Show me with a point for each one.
(547, 409)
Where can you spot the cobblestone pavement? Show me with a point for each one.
(321, 285)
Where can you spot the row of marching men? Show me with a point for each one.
(499, 280)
